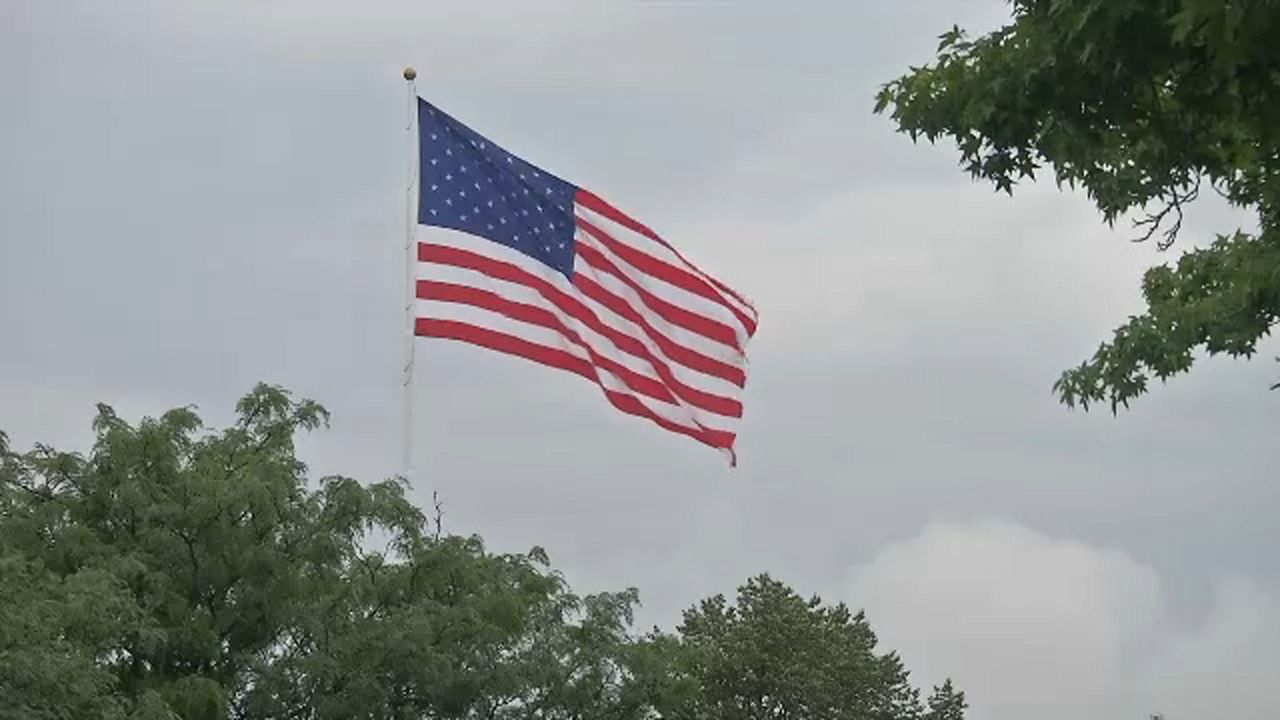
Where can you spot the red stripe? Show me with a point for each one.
(534, 315)
(666, 272)
(700, 324)
(551, 357)
(691, 359)
(595, 203)
(685, 356)
(667, 391)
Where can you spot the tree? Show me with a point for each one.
(172, 574)
(779, 656)
(178, 572)
(51, 632)
(946, 703)
(1142, 103)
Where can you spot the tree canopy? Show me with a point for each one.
(774, 654)
(1143, 104)
(177, 572)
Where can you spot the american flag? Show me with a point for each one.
(539, 268)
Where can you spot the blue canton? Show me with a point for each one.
(467, 183)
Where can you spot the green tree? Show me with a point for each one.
(51, 633)
(774, 654)
(179, 572)
(946, 703)
(1142, 103)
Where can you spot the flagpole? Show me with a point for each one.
(409, 263)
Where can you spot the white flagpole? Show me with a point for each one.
(410, 261)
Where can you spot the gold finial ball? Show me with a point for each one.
(410, 73)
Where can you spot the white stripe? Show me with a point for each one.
(521, 293)
(658, 250)
(599, 344)
(698, 343)
(495, 250)
(675, 334)
(547, 338)
(665, 291)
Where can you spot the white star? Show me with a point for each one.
(477, 185)
(509, 161)
(540, 208)
(448, 201)
(462, 193)
(561, 246)
(448, 176)
(537, 231)
(434, 136)
(526, 191)
(521, 176)
(475, 210)
(490, 203)
(482, 145)
(448, 151)
(434, 161)
(516, 238)
(551, 225)
(464, 218)
(433, 211)
(490, 226)
(526, 213)
(546, 248)
(435, 187)
(502, 221)
(548, 191)
(535, 174)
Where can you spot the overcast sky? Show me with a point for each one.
(195, 196)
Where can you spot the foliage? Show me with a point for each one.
(777, 655)
(1141, 103)
(175, 572)
(946, 703)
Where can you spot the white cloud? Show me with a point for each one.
(1033, 626)
(1225, 668)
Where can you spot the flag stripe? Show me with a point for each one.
(558, 358)
(595, 302)
(594, 203)
(665, 271)
(682, 354)
(595, 320)
(626, 295)
(602, 352)
(696, 304)
(687, 386)
(646, 244)
(552, 339)
(674, 314)
(535, 315)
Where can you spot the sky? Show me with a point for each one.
(197, 196)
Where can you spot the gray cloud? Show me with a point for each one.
(197, 196)
(1053, 628)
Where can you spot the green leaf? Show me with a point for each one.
(1136, 103)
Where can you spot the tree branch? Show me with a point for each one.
(1153, 221)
